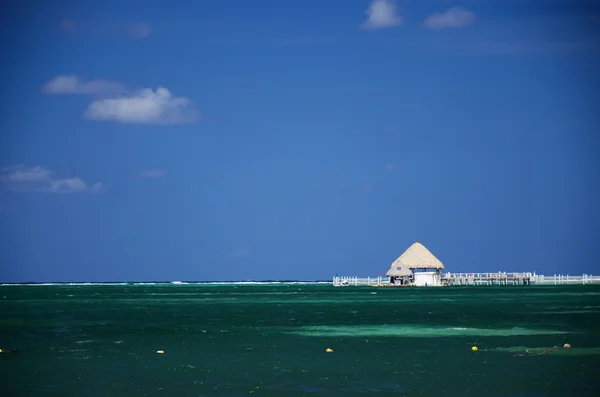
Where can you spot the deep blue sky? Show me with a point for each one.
(297, 139)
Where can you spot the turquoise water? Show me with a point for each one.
(270, 340)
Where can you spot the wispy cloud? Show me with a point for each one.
(39, 179)
(382, 14)
(115, 102)
(139, 30)
(75, 85)
(455, 17)
(391, 166)
(152, 174)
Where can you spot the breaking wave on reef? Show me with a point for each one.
(558, 350)
(416, 331)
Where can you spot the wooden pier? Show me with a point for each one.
(502, 278)
(473, 279)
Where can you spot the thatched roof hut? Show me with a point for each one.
(417, 257)
(399, 271)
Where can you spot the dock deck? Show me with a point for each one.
(513, 278)
(471, 279)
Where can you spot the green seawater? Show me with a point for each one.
(270, 340)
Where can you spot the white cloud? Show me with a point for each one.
(382, 14)
(40, 179)
(144, 107)
(115, 102)
(152, 174)
(455, 17)
(139, 30)
(74, 85)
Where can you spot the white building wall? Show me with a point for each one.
(429, 278)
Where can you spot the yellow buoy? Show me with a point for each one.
(328, 350)
(160, 352)
(1, 350)
(474, 348)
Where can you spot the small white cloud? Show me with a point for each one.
(68, 185)
(144, 107)
(140, 30)
(75, 85)
(391, 166)
(152, 174)
(455, 17)
(115, 102)
(382, 14)
(40, 179)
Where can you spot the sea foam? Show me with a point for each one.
(528, 350)
(415, 331)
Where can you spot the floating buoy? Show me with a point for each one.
(474, 348)
(566, 346)
(160, 352)
(1, 350)
(328, 350)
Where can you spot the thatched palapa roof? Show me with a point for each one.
(417, 257)
(398, 271)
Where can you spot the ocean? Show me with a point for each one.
(271, 340)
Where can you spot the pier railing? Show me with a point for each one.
(500, 278)
(347, 281)
(558, 279)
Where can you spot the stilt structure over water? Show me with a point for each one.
(472, 279)
(417, 266)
